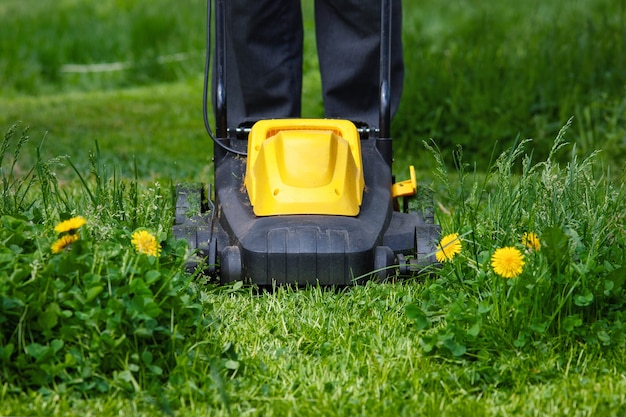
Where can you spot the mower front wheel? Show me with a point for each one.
(230, 264)
(383, 260)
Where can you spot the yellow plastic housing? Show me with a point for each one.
(304, 166)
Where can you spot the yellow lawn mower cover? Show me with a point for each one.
(304, 166)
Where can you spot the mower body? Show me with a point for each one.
(305, 201)
(234, 243)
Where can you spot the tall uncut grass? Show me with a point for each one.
(85, 310)
(570, 290)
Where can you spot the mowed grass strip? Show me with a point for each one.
(158, 128)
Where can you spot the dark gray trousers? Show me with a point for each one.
(264, 58)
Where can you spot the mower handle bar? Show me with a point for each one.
(221, 117)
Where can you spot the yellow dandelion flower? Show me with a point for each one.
(146, 243)
(63, 242)
(71, 225)
(448, 247)
(531, 241)
(507, 262)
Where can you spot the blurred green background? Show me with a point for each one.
(478, 74)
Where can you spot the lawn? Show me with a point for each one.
(524, 317)
(478, 75)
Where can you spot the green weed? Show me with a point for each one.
(85, 308)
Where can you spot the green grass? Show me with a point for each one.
(484, 72)
(355, 353)
(477, 74)
(134, 127)
(459, 340)
(40, 39)
(100, 329)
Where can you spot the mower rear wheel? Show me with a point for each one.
(193, 222)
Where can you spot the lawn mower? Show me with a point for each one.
(304, 201)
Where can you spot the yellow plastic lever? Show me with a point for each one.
(405, 188)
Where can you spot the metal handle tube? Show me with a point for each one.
(221, 127)
(384, 141)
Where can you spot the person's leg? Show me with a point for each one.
(264, 59)
(348, 44)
